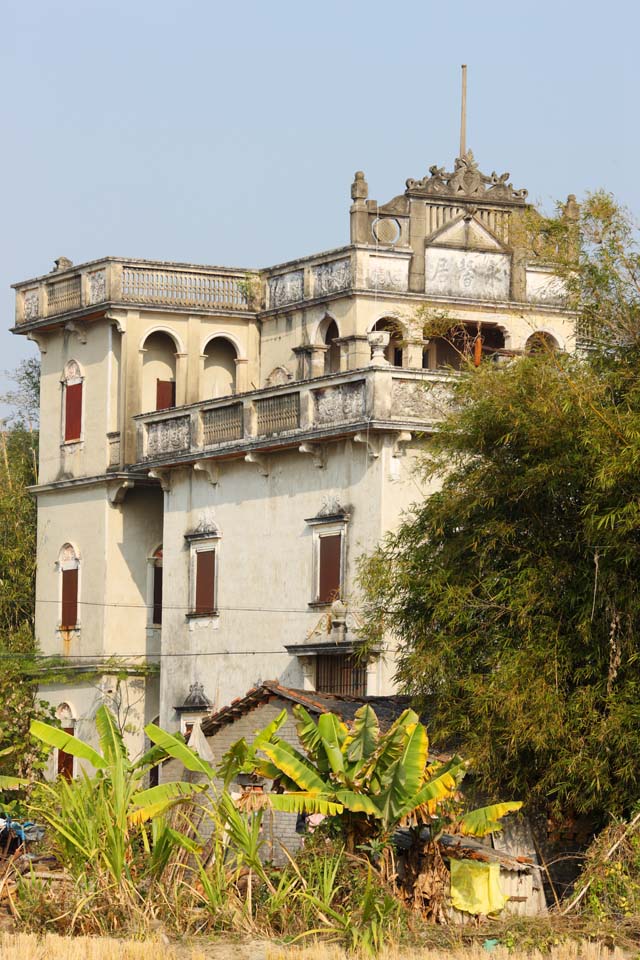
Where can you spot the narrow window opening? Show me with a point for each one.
(342, 675)
(73, 412)
(205, 582)
(69, 599)
(157, 589)
(65, 760)
(329, 562)
(165, 394)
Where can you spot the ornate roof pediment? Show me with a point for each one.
(466, 182)
(466, 233)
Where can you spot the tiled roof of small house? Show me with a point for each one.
(387, 708)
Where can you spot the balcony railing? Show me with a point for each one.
(133, 281)
(339, 404)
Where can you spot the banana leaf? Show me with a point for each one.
(303, 802)
(111, 740)
(484, 820)
(295, 767)
(179, 750)
(366, 732)
(155, 800)
(67, 743)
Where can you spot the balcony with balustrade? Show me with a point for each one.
(77, 290)
(362, 403)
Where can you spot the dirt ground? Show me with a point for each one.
(30, 947)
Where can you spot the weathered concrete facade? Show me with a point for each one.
(243, 436)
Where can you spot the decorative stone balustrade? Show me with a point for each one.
(277, 414)
(372, 398)
(142, 282)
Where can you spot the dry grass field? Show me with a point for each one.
(31, 947)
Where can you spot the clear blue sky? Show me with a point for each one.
(228, 133)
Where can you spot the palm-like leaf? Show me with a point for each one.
(484, 820)
(366, 732)
(333, 734)
(11, 783)
(358, 803)
(296, 767)
(111, 741)
(310, 738)
(303, 802)
(154, 801)
(179, 750)
(67, 743)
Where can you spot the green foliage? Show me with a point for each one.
(512, 591)
(19, 702)
(98, 818)
(373, 780)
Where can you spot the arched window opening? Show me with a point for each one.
(463, 344)
(540, 343)
(65, 761)
(394, 351)
(156, 588)
(69, 566)
(72, 401)
(159, 372)
(332, 356)
(219, 374)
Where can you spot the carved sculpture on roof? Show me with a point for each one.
(466, 180)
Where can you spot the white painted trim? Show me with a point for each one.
(177, 340)
(223, 335)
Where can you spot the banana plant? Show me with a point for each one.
(100, 815)
(376, 778)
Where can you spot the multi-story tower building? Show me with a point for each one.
(219, 446)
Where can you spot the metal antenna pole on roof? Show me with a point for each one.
(463, 113)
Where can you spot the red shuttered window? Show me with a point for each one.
(165, 394)
(205, 599)
(73, 412)
(329, 564)
(65, 760)
(69, 599)
(157, 593)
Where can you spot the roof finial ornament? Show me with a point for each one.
(463, 113)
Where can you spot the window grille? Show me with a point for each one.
(340, 674)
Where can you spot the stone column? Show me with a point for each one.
(417, 234)
(359, 214)
(413, 354)
(242, 372)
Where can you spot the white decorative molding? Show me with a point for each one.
(318, 451)
(278, 377)
(331, 277)
(544, 286)
(286, 288)
(97, 286)
(168, 436)
(164, 476)
(400, 440)
(211, 469)
(379, 341)
(31, 305)
(472, 275)
(117, 491)
(40, 339)
(80, 330)
(261, 461)
(372, 441)
(416, 399)
(338, 404)
(387, 273)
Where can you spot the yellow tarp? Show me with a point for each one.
(475, 887)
